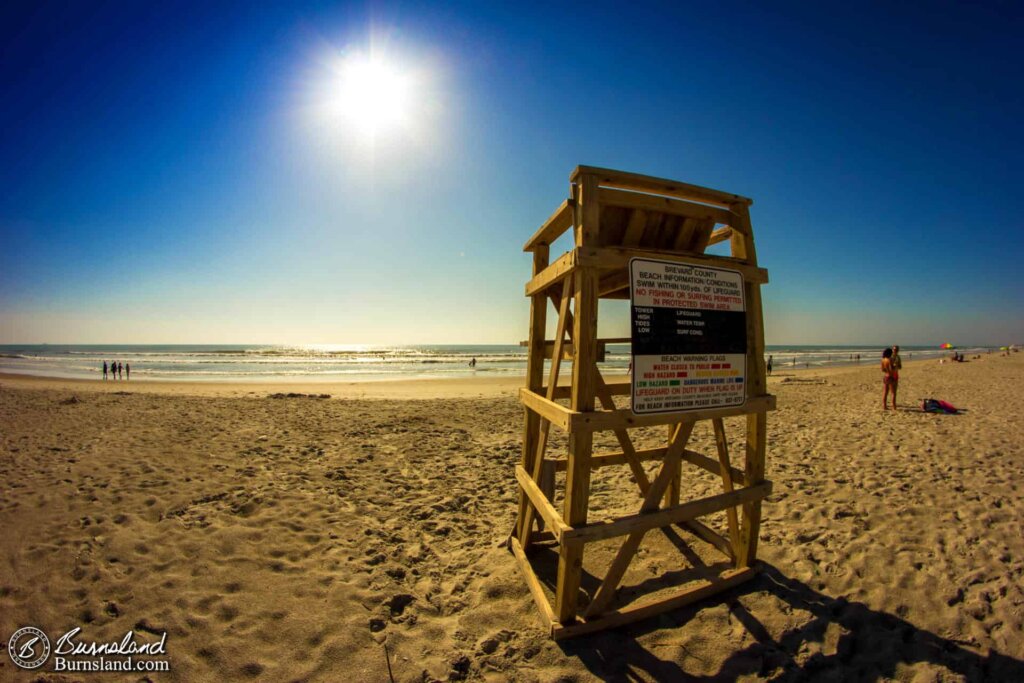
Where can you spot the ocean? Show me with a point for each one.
(246, 362)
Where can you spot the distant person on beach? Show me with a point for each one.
(104, 370)
(127, 371)
(113, 369)
(119, 368)
(769, 365)
(472, 363)
(890, 379)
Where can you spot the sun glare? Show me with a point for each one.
(375, 104)
(374, 95)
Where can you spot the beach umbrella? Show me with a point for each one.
(947, 345)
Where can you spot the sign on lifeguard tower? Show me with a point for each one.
(689, 330)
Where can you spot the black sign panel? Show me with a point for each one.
(689, 333)
(660, 331)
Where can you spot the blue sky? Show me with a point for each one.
(167, 175)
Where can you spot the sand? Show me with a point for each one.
(287, 539)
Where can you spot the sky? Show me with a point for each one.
(195, 173)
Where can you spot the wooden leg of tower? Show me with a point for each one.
(534, 377)
(754, 474)
(577, 478)
(570, 556)
(742, 247)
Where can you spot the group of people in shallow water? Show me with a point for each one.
(807, 364)
(891, 366)
(117, 370)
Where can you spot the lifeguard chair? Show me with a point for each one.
(628, 227)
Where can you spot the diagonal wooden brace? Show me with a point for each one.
(620, 563)
(723, 459)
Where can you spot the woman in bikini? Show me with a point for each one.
(890, 378)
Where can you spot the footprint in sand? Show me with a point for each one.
(253, 669)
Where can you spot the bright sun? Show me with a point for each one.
(374, 103)
(375, 96)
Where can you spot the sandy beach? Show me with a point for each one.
(287, 538)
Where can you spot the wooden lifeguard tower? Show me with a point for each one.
(620, 220)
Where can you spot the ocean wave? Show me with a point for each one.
(267, 363)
